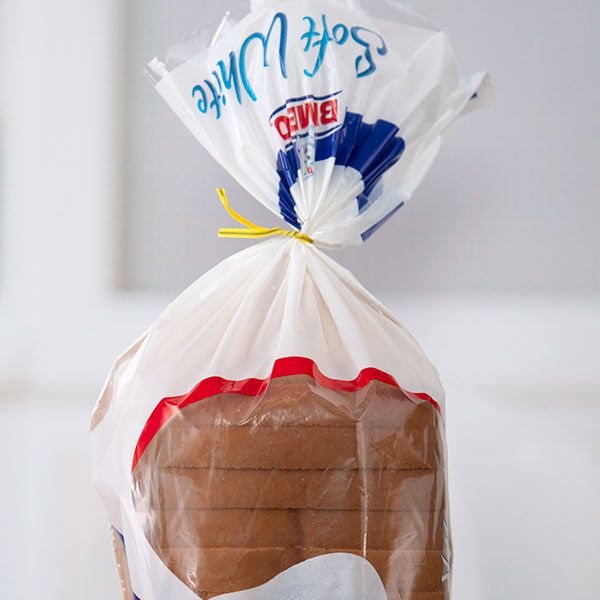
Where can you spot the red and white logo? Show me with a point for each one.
(306, 114)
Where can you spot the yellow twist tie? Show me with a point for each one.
(252, 230)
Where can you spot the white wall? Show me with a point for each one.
(496, 277)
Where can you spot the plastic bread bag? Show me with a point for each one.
(277, 433)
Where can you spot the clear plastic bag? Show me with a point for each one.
(235, 491)
(277, 432)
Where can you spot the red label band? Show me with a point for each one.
(283, 367)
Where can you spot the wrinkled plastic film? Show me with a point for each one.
(277, 433)
(235, 489)
(299, 102)
(204, 37)
(122, 565)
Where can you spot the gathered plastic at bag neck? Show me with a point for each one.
(277, 433)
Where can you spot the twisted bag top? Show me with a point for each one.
(327, 116)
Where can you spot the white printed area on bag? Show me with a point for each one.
(347, 109)
(337, 576)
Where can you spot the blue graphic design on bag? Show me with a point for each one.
(120, 536)
(213, 90)
(446, 559)
(122, 539)
(237, 70)
(339, 35)
(370, 149)
(265, 44)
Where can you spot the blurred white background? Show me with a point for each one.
(108, 210)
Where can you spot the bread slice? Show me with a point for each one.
(300, 447)
(235, 489)
(285, 528)
(192, 488)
